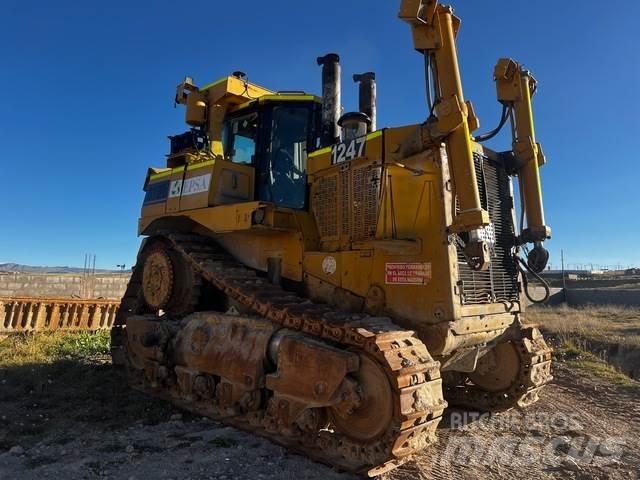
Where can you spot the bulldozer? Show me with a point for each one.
(333, 286)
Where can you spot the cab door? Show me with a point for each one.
(234, 183)
(289, 137)
(234, 176)
(266, 152)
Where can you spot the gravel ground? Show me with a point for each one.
(176, 449)
(582, 428)
(79, 421)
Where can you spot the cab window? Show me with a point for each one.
(241, 135)
(289, 137)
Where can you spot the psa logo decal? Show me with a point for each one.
(176, 188)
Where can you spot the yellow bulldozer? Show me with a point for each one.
(331, 285)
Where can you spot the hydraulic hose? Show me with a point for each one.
(503, 120)
(525, 280)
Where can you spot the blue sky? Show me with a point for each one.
(87, 103)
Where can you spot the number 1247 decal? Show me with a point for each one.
(345, 151)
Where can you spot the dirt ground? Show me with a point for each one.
(76, 419)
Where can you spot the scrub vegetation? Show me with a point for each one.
(602, 340)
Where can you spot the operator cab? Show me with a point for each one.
(273, 135)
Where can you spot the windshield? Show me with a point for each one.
(240, 136)
(289, 137)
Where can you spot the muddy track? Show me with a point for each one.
(413, 375)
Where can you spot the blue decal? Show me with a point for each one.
(156, 192)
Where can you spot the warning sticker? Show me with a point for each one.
(407, 273)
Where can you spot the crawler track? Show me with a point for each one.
(535, 373)
(415, 377)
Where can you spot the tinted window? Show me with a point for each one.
(241, 134)
(289, 136)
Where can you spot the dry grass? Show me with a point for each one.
(600, 324)
(582, 360)
(49, 347)
(64, 377)
(603, 341)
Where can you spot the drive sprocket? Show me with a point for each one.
(169, 282)
(157, 279)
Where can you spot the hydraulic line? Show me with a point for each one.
(430, 76)
(525, 281)
(506, 113)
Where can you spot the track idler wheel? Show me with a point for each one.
(374, 412)
(498, 370)
(510, 375)
(169, 283)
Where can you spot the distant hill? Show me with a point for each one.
(16, 267)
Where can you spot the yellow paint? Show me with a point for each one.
(395, 204)
(322, 151)
(290, 98)
(159, 176)
(437, 32)
(515, 88)
(213, 84)
(195, 166)
(166, 173)
(277, 98)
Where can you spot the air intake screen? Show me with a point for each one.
(345, 203)
(500, 282)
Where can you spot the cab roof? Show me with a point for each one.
(279, 97)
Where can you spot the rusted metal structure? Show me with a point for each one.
(38, 314)
(333, 286)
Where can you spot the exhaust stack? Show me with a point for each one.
(367, 97)
(331, 101)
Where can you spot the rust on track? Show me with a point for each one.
(413, 374)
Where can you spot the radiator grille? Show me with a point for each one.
(345, 197)
(325, 197)
(500, 282)
(366, 191)
(345, 203)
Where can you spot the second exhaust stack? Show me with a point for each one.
(367, 96)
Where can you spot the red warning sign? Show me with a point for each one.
(407, 273)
